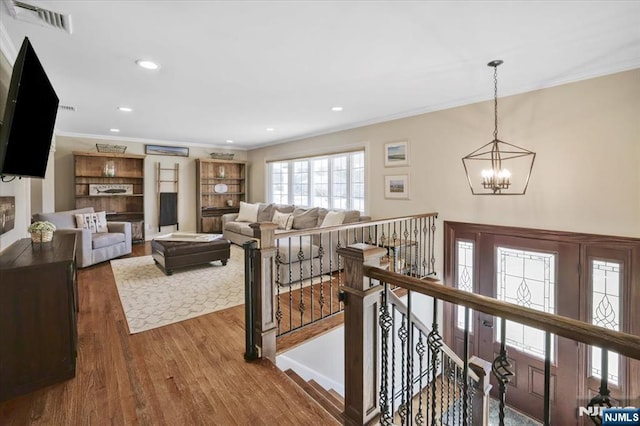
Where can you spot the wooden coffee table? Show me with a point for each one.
(169, 254)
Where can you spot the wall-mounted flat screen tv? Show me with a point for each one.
(29, 118)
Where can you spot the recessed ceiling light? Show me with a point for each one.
(336, 108)
(270, 129)
(149, 65)
(229, 141)
(125, 109)
(114, 130)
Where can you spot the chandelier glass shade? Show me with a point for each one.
(498, 167)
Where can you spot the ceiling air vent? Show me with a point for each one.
(38, 15)
(67, 108)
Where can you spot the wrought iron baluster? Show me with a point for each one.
(602, 399)
(393, 362)
(547, 378)
(290, 284)
(457, 414)
(386, 416)
(501, 370)
(278, 307)
(465, 369)
(402, 333)
(435, 346)
(444, 386)
(420, 350)
(331, 273)
(339, 246)
(301, 306)
(433, 239)
(415, 267)
(409, 359)
(310, 276)
(320, 259)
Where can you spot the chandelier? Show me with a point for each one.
(498, 167)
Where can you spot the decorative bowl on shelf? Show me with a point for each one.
(221, 188)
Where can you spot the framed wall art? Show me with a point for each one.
(7, 214)
(396, 154)
(166, 150)
(396, 187)
(110, 189)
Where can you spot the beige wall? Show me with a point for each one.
(587, 172)
(187, 177)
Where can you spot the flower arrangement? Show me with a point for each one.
(41, 232)
(41, 226)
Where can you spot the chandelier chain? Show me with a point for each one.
(495, 101)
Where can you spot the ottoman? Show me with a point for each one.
(169, 255)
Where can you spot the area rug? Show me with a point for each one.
(150, 299)
(511, 416)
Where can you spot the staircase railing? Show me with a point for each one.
(367, 320)
(429, 385)
(298, 274)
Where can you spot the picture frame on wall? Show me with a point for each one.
(110, 189)
(396, 154)
(396, 187)
(179, 151)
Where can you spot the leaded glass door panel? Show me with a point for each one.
(532, 273)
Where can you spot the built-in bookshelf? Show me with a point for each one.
(220, 186)
(113, 183)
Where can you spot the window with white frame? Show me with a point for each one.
(331, 181)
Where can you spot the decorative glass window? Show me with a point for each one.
(526, 278)
(464, 277)
(330, 181)
(605, 312)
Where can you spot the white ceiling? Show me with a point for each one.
(230, 69)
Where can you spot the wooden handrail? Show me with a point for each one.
(622, 343)
(354, 225)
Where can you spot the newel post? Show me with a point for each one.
(480, 414)
(361, 381)
(263, 289)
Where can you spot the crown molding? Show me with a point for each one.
(148, 141)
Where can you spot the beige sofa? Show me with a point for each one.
(293, 267)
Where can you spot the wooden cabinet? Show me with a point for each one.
(220, 186)
(113, 183)
(38, 307)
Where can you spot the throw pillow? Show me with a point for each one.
(248, 212)
(283, 220)
(305, 219)
(265, 212)
(333, 219)
(95, 222)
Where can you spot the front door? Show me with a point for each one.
(580, 276)
(532, 273)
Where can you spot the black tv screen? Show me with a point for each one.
(29, 118)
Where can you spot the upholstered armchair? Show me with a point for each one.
(91, 247)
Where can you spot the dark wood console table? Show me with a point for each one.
(38, 307)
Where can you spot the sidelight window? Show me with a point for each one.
(464, 277)
(605, 312)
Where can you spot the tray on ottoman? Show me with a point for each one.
(188, 250)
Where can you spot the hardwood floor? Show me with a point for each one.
(189, 373)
